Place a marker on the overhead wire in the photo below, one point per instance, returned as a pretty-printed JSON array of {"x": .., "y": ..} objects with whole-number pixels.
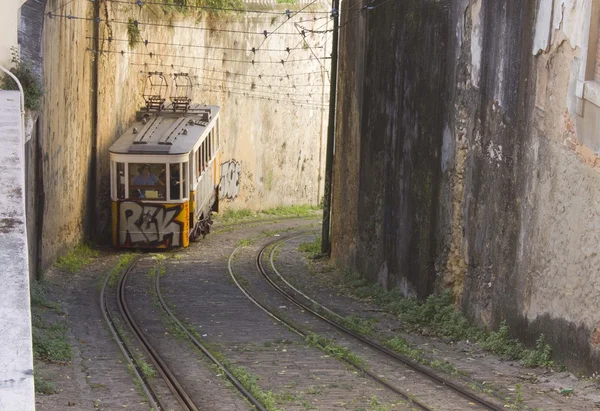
[
  {"x": 289, "y": 17},
  {"x": 287, "y": 75},
  {"x": 245, "y": 93},
  {"x": 226, "y": 71},
  {"x": 151, "y": 55},
  {"x": 147, "y": 42}
]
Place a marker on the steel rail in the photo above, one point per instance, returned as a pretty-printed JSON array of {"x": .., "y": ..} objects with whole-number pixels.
[
  {"x": 169, "y": 378},
  {"x": 406, "y": 361},
  {"x": 237, "y": 384},
  {"x": 110, "y": 322},
  {"x": 408, "y": 397}
]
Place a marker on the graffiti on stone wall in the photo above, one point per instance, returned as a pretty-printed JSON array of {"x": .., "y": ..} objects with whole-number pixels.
[
  {"x": 160, "y": 225},
  {"x": 231, "y": 174}
]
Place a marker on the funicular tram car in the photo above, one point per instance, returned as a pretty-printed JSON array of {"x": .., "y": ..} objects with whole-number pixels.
[{"x": 164, "y": 176}]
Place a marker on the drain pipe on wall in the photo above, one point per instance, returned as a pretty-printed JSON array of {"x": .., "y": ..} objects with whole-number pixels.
[{"x": 325, "y": 235}]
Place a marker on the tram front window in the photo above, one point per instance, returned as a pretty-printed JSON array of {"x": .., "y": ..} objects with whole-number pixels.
[{"x": 147, "y": 181}]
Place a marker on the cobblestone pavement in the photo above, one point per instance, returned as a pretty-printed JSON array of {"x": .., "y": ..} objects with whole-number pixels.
[
  {"x": 197, "y": 285},
  {"x": 527, "y": 388},
  {"x": 298, "y": 376}
]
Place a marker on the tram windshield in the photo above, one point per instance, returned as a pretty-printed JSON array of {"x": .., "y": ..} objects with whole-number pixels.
[{"x": 147, "y": 181}]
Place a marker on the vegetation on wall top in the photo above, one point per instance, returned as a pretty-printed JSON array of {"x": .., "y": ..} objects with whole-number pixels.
[
  {"x": 211, "y": 6},
  {"x": 32, "y": 84}
]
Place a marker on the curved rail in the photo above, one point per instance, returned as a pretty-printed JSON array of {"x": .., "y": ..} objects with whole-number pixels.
[
  {"x": 237, "y": 384},
  {"x": 169, "y": 378},
  {"x": 146, "y": 387},
  {"x": 408, "y": 397},
  {"x": 406, "y": 361}
]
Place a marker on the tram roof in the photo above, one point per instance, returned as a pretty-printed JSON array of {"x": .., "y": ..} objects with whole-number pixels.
[{"x": 166, "y": 131}]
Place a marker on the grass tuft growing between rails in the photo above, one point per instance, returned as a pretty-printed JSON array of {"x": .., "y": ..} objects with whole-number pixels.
[
  {"x": 335, "y": 350},
  {"x": 249, "y": 381},
  {"x": 80, "y": 256},
  {"x": 437, "y": 316},
  {"x": 124, "y": 261}
]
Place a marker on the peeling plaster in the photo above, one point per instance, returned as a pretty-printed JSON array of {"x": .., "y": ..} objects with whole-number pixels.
[
  {"x": 570, "y": 16},
  {"x": 476, "y": 42},
  {"x": 541, "y": 41}
]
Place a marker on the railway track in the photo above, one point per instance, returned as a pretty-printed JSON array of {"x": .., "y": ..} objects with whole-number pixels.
[
  {"x": 328, "y": 317},
  {"x": 171, "y": 381}
]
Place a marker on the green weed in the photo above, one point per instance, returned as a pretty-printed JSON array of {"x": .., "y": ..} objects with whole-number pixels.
[
  {"x": 234, "y": 216},
  {"x": 50, "y": 341},
  {"x": 360, "y": 325},
  {"x": 437, "y": 316},
  {"x": 43, "y": 386},
  {"x": 541, "y": 356},
  {"x": 401, "y": 346},
  {"x": 312, "y": 248},
  {"x": 37, "y": 292},
  {"x": 267, "y": 398},
  {"x": 80, "y": 256},
  {"x": 245, "y": 242},
  {"x": 124, "y": 261},
  {"x": 146, "y": 369},
  {"x": 133, "y": 32},
  {"x": 30, "y": 81},
  {"x": 334, "y": 350}
]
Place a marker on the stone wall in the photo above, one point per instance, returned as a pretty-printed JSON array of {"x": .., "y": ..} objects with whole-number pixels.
[
  {"x": 479, "y": 177},
  {"x": 386, "y": 174},
  {"x": 273, "y": 117},
  {"x": 66, "y": 132}
]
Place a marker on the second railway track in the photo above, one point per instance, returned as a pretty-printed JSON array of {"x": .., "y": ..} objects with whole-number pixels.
[{"x": 307, "y": 305}]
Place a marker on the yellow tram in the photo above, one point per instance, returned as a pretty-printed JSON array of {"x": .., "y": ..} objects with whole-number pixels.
[{"x": 164, "y": 176}]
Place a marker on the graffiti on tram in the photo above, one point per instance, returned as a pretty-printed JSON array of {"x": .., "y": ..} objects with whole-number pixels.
[{"x": 156, "y": 225}]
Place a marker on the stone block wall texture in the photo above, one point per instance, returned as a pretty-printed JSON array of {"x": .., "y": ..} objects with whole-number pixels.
[
  {"x": 452, "y": 169},
  {"x": 273, "y": 118}
]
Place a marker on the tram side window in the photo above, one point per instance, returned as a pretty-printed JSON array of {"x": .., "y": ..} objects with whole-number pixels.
[
  {"x": 209, "y": 142},
  {"x": 147, "y": 181},
  {"x": 205, "y": 153},
  {"x": 186, "y": 190},
  {"x": 175, "y": 181},
  {"x": 200, "y": 157},
  {"x": 120, "y": 181}
]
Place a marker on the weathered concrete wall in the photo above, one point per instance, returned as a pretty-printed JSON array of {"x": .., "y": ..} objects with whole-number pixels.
[
  {"x": 387, "y": 162},
  {"x": 272, "y": 121},
  {"x": 506, "y": 170},
  {"x": 66, "y": 131}
]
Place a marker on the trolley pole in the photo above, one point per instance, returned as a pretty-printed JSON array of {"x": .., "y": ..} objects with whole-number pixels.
[{"x": 325, "y": 235}]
